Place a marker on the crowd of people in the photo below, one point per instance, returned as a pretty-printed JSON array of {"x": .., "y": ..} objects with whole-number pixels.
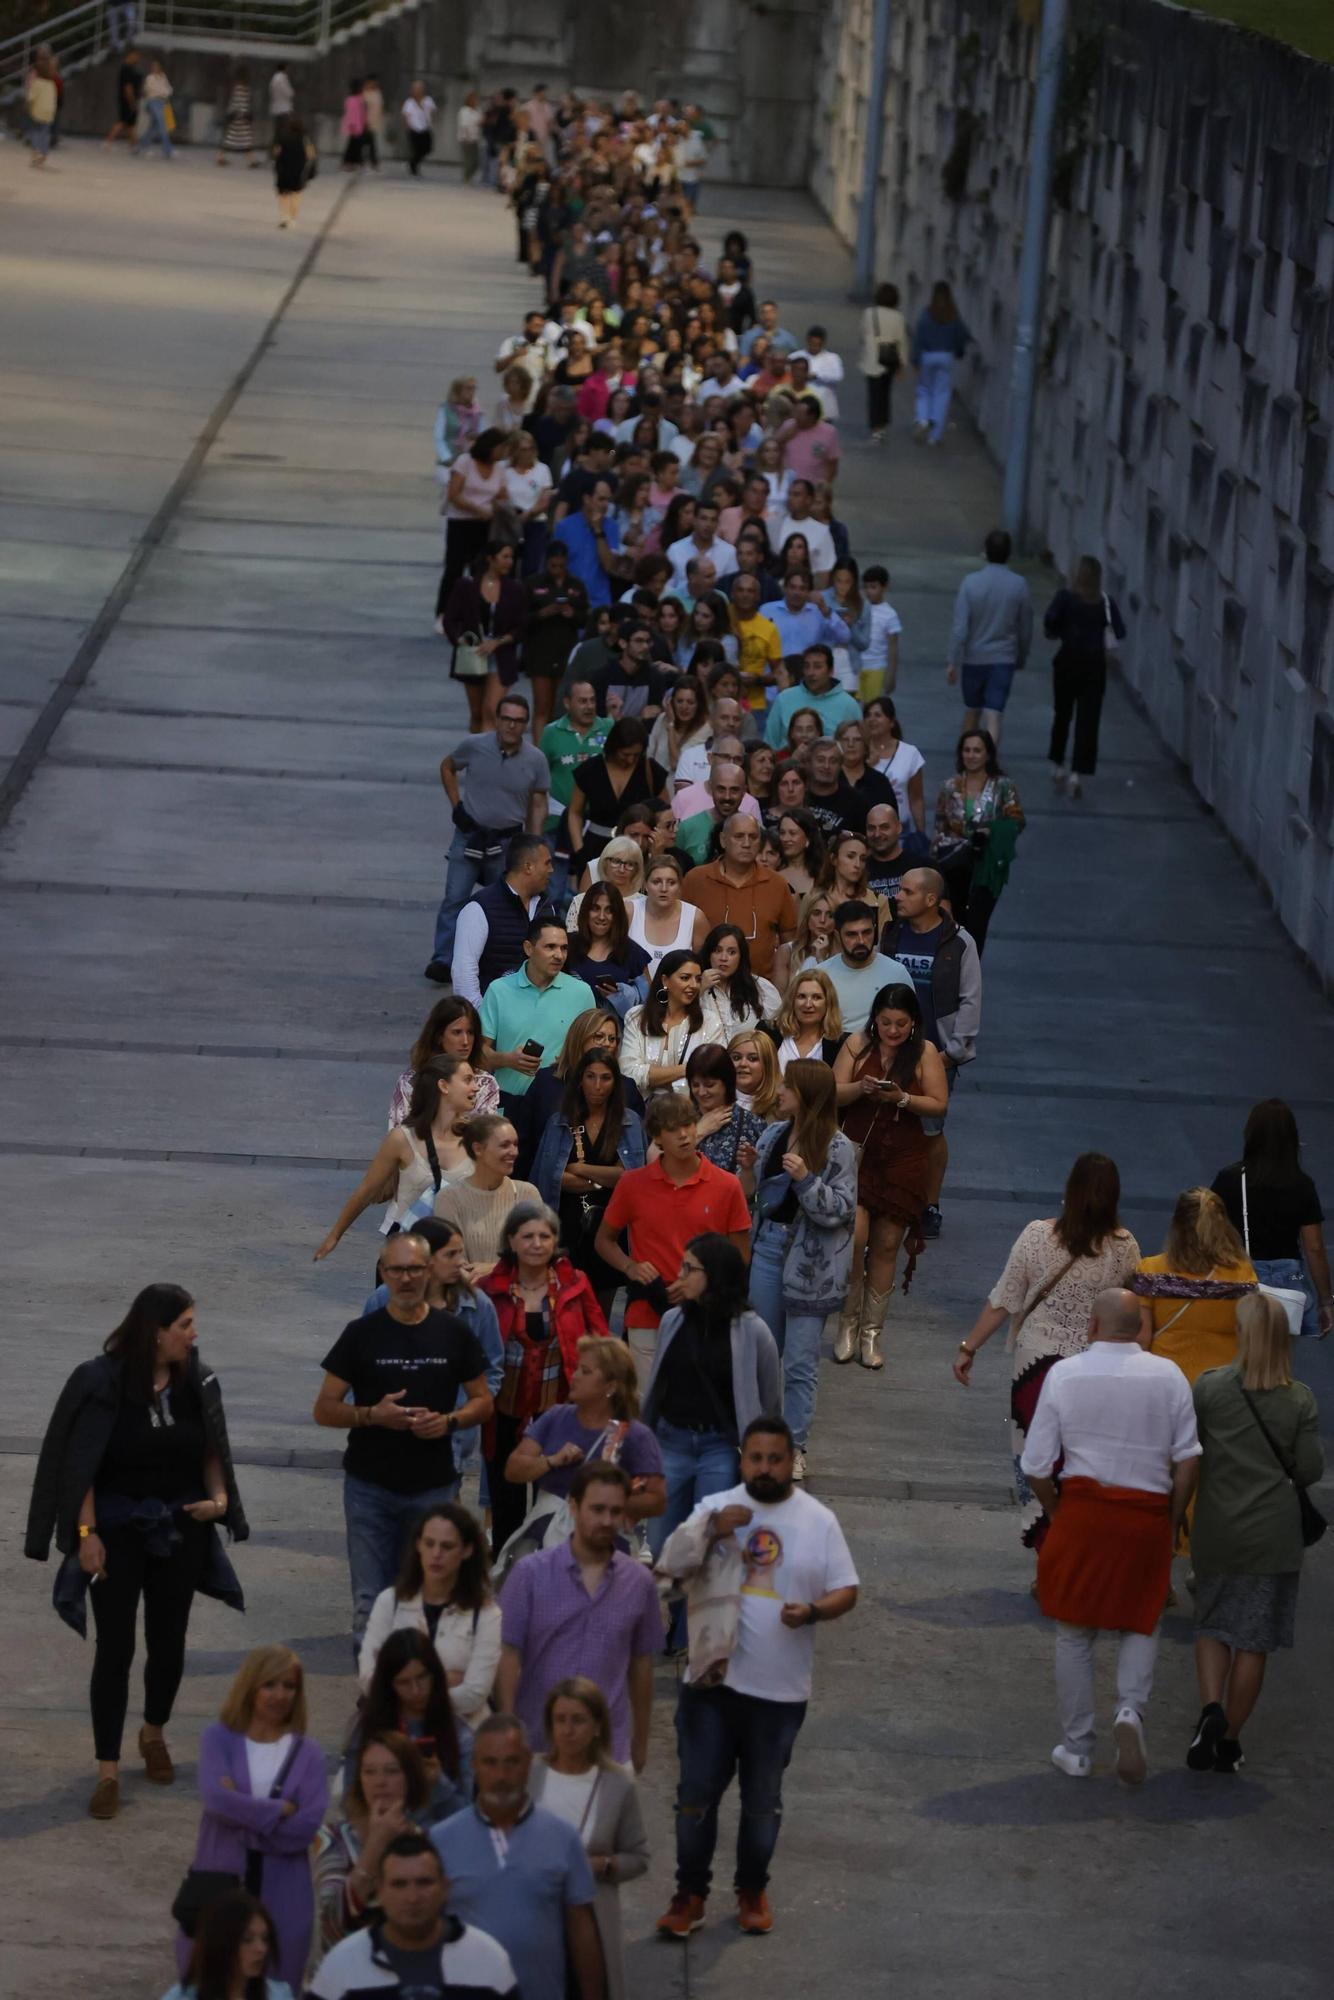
[{"x": 679, "y": 1122}]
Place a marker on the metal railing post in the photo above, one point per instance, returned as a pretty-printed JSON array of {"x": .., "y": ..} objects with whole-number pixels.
[{"x": 326, "y": 13}]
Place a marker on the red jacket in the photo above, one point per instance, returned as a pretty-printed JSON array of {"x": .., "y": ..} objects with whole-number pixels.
[{"x": 575, "y": 1314}]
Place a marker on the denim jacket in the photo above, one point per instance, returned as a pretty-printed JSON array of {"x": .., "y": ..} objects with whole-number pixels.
[
  {"x": 557, "y": 1144},
  {"x": 818, "y": 1257}
]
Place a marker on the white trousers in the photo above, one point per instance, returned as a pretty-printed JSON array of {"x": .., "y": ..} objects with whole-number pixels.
[{"x": 1135, "y": 1660}]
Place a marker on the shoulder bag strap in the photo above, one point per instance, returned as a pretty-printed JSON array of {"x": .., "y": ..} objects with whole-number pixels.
[
  {"x": 1245, "y": 1216},
  {"x": 276, "y": 1788},
  {"x": 433, "y": 1159},
  {"x": 1045, "y": 1290},
  {"x": 1268, "y": 1435}
]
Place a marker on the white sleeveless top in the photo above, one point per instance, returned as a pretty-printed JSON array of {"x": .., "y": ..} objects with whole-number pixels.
[
  {"x": 413, "y": 1180},
  {"x": 685, "y": 932}
]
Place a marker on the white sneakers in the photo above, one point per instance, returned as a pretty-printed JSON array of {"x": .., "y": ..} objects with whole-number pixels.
[
  {"x": 1132, "y": 1762},
  {"x": 799, "y": 1465}
]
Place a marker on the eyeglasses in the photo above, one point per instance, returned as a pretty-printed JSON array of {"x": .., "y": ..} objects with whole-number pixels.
[{"x": 393, "y": 1271}]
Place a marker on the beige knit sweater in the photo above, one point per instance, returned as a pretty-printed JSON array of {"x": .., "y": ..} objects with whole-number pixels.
[{"x": 481, "y": 1216}]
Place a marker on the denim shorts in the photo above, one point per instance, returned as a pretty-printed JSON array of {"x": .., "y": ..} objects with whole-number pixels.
[{"x": 986, "y": 687}]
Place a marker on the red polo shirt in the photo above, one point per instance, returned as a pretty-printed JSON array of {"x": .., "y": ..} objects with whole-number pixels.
[{"x": 662, "y": 1217}]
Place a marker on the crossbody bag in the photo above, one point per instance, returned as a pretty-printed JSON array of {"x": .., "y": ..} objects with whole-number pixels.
[
  {"x": 1313, "y": 1521},
  {"x": 203, "y": 1886}
]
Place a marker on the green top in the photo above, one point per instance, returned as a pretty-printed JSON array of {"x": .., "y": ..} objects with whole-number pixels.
[
  {"x": 1246, "y": 1520},
  {"x": 694, "y": 834},
  {"x": 564, "y": 748},
  {"x": 515, "y": 1011}
]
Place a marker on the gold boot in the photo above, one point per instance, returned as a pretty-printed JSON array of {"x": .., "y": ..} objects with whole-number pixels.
[
  {"x": 875, "y": 1307},
  {"x": 849, "y": 1320}
]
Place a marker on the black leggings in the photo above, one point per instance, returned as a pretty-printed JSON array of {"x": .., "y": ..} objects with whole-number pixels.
[
  {"x": 509, "y": 1503},
  {"x": 167, "y": 1585}
]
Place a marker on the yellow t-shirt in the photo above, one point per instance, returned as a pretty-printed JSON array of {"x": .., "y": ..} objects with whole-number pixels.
[{"x": 758, "y": 648}]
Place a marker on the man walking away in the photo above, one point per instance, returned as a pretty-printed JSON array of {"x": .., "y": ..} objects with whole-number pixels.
[
  {"x": 991, "y": 635},
  {"x": 1121, "y": 1423}
]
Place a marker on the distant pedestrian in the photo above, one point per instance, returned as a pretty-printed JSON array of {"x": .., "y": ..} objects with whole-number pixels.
[
  {"x": 940, "y": 338},
  {"x": 238, "y": 124},
  {"x": 129, "y": 90},
  {"x": 43, "y": 102},
  {"x": 373, "y": 98},
  {"x": 884, "y": 352},
  {"x": 990, "y": 637},
  {"x": 354, "y": 128},
  {"x": 1273, "y": 1205},
  {"x": 293, "y": 157},
  {"x": 1089, "y": 627},
  {"x": 282, "y": 101},
  {"x": 418, "y": 113},
  {"x": 1121, "y": 1425},
  {"x": 1260, "y": 1435},
  {"x": 468, "y": 132},
  {"x": 157, "y": 105}
]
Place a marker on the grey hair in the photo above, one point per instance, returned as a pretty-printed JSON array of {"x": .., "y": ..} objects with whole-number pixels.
[
  {"x": 522, "y": 1213},
  {"x": 502, "y": 1724}
]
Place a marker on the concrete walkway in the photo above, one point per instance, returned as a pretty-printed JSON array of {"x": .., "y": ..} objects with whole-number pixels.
[{"x": 221, "y": 850}]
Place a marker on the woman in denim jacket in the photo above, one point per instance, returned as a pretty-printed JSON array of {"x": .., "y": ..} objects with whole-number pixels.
[{"x": 584, "y": 1149}]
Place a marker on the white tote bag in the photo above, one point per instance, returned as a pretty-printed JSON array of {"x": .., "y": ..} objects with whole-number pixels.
[{"x": 1292, "y": 1301}]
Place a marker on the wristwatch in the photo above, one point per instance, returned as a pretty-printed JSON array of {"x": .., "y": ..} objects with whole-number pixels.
[{"x": 84, "y": 1532}]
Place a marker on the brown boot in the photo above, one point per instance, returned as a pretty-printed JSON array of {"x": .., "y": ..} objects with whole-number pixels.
[
  {"x": 105, "y": 1802},
  {"x": 158, "y": 1767},
  {"x": 875, "y": 1307},
  {"x": 845, "y": 1340}
]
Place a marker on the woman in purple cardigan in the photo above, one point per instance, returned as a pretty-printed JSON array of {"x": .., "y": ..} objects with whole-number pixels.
[{"x": 263, "y": 1786}]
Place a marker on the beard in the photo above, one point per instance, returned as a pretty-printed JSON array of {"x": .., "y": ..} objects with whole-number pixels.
[
  {"x": 860, "y": 954},
  {"x": 768, "y": 1490}
]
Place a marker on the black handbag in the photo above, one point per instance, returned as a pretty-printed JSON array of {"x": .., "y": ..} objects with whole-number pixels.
[
  {"x": 1313, "y": 1521},
  {"x": 887, "y": 354}
]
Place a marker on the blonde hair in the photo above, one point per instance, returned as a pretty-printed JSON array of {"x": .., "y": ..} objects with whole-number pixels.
[
  {"x": 1200, "y": 1235},
  {"x": 765, "y": 1098},
  {"x": 265, "y": 1663},
  {"x": 801, "y": 938},
  {"x": 622, "y": 848},
  {"x": 1264, "y": 1344},
  {"x": 616, "y": 1365},
  {"x": 579, "y": 1039},
  {"x": 787, "y": 1022}
]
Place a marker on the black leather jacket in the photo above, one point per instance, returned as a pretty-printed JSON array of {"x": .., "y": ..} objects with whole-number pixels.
[{"x": 76, "y": 1441}]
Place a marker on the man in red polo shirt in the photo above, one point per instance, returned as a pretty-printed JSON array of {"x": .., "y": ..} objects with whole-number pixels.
[{"x": 663, "y": 1206}]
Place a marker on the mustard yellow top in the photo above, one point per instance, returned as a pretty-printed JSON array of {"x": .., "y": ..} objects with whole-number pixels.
[{"x": 1196, "y": 1333}]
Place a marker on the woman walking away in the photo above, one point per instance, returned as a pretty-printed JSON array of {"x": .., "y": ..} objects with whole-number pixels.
[
  {"x": 264, "y": 1794},
  {"x": 889, "y": 1079},
  {"x": 238, "y": 130},
  {"x": 805, "y": 1215},
  {"x": 578, "y": 1781},
  {"x": 884, "y": 351},
  {"x": 1190, "y": 1293},
  {"x": 1054, "y": 1272},
  {"x": 1089, "y": 628},
  {"x": 940, "y": 338},
  {"x": 293, "y": 157},
  {"x": 1261, "y": 1450},
  {"x": 235, "y": 1954},
  {"x": 354, "y": 127},
  {"x": 134, "y": 1474},
  {"x": 1275, "y": 1209}
]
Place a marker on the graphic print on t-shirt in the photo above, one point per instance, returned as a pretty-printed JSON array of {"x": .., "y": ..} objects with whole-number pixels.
[{"x": 762, "y": 1553}]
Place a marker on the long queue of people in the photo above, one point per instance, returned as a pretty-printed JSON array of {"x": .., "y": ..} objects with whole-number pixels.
[{"x": 678, "y": 1122}]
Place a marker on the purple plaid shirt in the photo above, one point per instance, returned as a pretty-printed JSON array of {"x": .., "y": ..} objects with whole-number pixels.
[{"x": 558, "y": 1630}]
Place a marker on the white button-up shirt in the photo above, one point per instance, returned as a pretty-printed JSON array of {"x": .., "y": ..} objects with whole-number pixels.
[{"x": 1119, "y": 1415}]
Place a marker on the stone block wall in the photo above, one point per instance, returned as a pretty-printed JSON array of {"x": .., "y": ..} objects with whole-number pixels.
[{"x": 1186, "y": 387}]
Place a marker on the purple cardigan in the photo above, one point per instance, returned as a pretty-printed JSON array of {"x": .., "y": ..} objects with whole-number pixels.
[{"x": 233, "y": 1821}]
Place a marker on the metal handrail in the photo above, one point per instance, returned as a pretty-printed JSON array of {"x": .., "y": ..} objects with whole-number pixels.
[{"x": 84, "y": 34}]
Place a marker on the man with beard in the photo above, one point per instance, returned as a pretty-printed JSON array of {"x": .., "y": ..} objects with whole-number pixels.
[
  {"x": 520, "y": 1874},
  {"x": 858, "y": 972},
  {"x": 796, "y": 1574}
]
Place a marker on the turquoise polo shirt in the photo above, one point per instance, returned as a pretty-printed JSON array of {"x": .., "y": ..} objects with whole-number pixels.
[
  {"x": 514, "y": 1011},
  {"x": 833, "y": 707}
]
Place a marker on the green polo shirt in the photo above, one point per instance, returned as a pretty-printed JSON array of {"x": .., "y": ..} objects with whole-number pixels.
[
  {"x": 564, "y": 748},
  {"x": 514, "y": 1011}
]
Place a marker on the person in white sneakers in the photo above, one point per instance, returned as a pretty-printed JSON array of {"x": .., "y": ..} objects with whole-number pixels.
[
  {"x": 1123, "y": 1422},
  {"x": 415, "y": 1947}
]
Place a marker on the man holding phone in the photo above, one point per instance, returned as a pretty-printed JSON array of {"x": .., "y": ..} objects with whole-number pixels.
[
  {"x": 525, "y": 1014},
  {"x": 392, "y": 1381}
]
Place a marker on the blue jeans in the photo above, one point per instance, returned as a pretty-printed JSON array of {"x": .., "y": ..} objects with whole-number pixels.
[
  {"x": 720, "y": 1733},
  {"x": 935, "y": 386},
  {"x": 797, "y": 1334},
  {"x": 696, "y": 1464},
  {"x": 1291, "y": 1272},
  {"x": 463, "y": 874},
  {"x": 157, "y": 126},
  {"x": 378, "y": 1523}
]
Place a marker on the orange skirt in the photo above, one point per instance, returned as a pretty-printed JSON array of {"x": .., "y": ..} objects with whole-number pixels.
[{"x": 1107, "y": 1558}]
